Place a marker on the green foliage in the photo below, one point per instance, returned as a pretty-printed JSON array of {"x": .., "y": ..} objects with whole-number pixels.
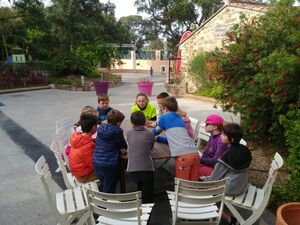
[
  {"x": 259, "y": 70},
  {"x": 289, "y": 192},
  {"x": 199, "y": 70},
  {"x": 74, "y": 64},
  {"x": 171, "y": 18}
]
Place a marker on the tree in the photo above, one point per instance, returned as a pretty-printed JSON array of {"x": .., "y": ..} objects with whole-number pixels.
[
  {"x": 172, "y": 18},
  {"x": 259, "y": 70},
  {"x": 135, "y": 25}
]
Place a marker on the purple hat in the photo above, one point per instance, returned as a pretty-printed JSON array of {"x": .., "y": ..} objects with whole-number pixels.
[{"x": 214, "y": 120}]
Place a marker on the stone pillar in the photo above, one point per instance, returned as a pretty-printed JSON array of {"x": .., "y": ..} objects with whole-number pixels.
[
  {"x": 133, "y": 59},
  {"x": 157, "y": 55}
]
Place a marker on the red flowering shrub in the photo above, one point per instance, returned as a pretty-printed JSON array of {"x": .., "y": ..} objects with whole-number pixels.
[
  {"x": 20, "y": 75},
  {"x": 260, "y": 70}
]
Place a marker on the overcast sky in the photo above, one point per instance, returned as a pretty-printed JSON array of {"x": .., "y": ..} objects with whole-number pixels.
[{"x": 123, "y": 7}]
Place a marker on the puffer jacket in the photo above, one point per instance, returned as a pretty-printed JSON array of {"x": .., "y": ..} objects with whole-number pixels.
[
  {"x": 109, "y": 141},
  {"x": 81, "y": 154}
]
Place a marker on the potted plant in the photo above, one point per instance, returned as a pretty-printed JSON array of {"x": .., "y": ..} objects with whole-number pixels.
[
  {"x": 288, "y": 214},
  {"x": 101, "y": 86},
  {"x": 145, "y": 86},
  {"x": 174, "y": 86}
]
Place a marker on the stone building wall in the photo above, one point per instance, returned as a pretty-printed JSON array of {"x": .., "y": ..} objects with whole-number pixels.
[{"x": 212, "y": 34}]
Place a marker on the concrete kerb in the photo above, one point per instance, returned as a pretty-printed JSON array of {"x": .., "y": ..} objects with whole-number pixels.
[{"x": 13, "y": 90}]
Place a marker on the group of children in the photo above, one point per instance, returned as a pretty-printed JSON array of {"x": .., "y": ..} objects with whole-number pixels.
[{"x": 92, "y": 159}]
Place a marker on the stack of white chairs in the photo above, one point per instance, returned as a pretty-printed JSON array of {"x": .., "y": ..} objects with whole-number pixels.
[
  {"x": 69, "y": 206},
  {"x": 197, "y": 202}
]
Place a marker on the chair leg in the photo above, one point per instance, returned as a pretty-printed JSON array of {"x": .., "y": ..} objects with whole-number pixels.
[{"x": 235, "y": 213}]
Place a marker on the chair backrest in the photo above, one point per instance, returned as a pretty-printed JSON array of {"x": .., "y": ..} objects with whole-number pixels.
[
  {"x": 42, "y": 169},
  {"x": 276, "y": 164},
  {"x": 65, "y": 122},
  {"x": 63, "y": 137},
  {"x": 55, "y": 148},
  {"x": 199, "y": 194},
  {"x": 116, "y": 206},
  {"x": 195, "y": 125}
]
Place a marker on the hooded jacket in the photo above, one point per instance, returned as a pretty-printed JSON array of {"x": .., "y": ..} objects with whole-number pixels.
[
  {"x": 103, "y": 113},
  {"x": 81, "y": 154},
  {"x": 234, "y": 164},
  {"x": 109, "y": 141}
]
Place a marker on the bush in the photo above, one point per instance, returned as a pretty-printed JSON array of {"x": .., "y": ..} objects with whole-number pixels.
[
  {"x": 259, "y": 70},
  {"x": 200, "y": 68},
  {"x": 290, "y": 191},
  {"x": 71, "y": 63},
  {"x": 20, "y": 75}
]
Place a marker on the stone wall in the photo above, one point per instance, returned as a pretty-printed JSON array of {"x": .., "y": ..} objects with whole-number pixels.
[{"x": 210, "y": 36}]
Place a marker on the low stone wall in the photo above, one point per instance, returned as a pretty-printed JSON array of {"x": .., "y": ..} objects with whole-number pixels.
[{"x": 88, "y": 87}]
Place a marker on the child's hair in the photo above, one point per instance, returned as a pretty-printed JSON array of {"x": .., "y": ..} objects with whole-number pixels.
[
  {"x": 138, "y": 118},
  {"x": 162, "y": 95},
  {"x": 114, "y": 117},
  {"x": 234, "y": 133},
  {"x": 103, "y": 97},
  {"x": 170, "y": 103},
  {"x": 87, "y": 122},
  {"x": 143, "y": 95},
  {"x": 87, "y": 110}
]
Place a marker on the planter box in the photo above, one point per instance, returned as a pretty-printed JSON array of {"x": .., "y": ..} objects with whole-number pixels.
[
  {"x": 173, "y": 89},
  {"x": 145, "y": 88},
  {"x": 101, "y": 87}
]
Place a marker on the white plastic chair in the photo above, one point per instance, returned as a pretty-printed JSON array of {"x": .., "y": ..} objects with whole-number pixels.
[
  {"x": 63, "y": 135},
  {"x": 196, "y": 202},
  {"x": 66, "y": 122},
  {"x": 203, "y": 135},
  {"x": 69, "y": 180},
  {"x": 67, "y": 205},
  {"x": 118, "y": 209},
  {"x": 195, "y": 124},
  {"x": 254, "y": 199}
]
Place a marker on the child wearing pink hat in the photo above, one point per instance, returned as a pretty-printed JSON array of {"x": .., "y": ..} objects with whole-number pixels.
[{"x": 215, "y": 148}]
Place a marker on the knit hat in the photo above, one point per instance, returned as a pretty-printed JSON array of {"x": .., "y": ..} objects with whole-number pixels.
[{"x": 214, "y": 120}]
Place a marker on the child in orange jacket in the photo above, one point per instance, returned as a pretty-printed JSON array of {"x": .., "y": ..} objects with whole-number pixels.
[{"x": 82, "y": 149}]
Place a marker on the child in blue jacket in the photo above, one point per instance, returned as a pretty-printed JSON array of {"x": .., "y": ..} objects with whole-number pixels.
[
  {"x": 181, "y": 144},
  {"x": 109, "y": 143}
]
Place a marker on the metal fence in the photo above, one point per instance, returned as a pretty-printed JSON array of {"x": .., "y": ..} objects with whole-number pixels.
[
  {"x": 41, "y": 67},
  {"x": 145, "y": 55}
]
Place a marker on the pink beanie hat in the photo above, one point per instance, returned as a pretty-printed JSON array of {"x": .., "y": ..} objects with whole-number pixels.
[{"x": 214, "y": 120}]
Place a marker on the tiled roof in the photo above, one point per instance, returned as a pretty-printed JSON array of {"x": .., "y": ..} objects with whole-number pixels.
[
  {"x": 244, "y": 4},
  {"x": 249, "y": 5}
]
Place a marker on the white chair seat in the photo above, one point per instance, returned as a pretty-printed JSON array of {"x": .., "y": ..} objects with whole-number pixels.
[{"x": 70, "y": 201}]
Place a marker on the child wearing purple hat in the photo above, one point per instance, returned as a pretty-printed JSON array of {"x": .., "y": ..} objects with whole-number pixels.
[{"x": 215, "y": 148}]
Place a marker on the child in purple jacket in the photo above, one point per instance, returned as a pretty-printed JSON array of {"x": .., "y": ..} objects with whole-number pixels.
[{"x": 215, "y": 148}]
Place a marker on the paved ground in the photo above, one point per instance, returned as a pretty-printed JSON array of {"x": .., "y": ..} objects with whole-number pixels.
[{"x": 27, "y": 127}]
